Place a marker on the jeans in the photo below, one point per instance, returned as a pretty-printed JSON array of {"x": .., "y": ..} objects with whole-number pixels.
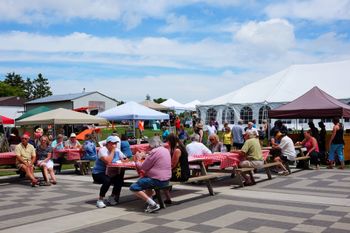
[
  {"x": 336, "y": 148},
  {"x": 106, "y": 182},
  {"x": 145, "y": 183}
]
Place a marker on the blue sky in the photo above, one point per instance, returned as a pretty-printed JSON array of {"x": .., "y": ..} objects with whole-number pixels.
[{"x": 181, "y": 49}]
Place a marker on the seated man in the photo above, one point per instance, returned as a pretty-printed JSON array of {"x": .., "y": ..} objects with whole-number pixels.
[
  {"x": 72, "y": 142},
  {"x": 196, "y": 147},
  {"x": 25, "y": 158},
  {"x": 286, "y": 146},
  {"x": 157, "y": 173},
  {"x": 252, "y": 154}
]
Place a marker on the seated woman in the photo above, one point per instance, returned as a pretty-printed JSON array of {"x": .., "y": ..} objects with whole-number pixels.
[
  {"x": 106, "y": 155},
  {"x": 44, "y": 154},
  {"x": 287, "y": 150},
  {"x": 311, "y": 148},
  {"x": 157, "y": 173},
  {"x": 180, "y": 170},
  {"x": 89, "y": 149},
  {"x": 215, "y": 145},
  {"x": 125, "y": 146},
  {"x": 58, "y": 144}
]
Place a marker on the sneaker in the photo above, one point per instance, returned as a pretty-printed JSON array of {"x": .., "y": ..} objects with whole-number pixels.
[
  {"x": 152, "y": 208},
  {"x": 100, "y": 204},
  {"x": 111, "y": 201}
]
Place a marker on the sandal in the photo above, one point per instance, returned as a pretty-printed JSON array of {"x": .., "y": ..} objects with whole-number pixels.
[{"x": 54, "y": 182}]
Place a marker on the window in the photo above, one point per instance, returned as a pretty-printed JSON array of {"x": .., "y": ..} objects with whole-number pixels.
[
  {"x": 246, "y": 114},
  {"x": 263, "y": 113},
  {"x": 229, "y": 116},
  {"x": 211, "y": 114}
]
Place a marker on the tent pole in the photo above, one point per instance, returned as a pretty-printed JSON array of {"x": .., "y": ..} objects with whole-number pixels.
[{"x": 134, "y": 126}]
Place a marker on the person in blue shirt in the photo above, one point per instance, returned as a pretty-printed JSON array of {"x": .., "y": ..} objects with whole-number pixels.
[
  {"x": 107, "y": 155},
  {"x": 89, "y": 149},
  {"x": 165, "y": 133},
  {"x": 125, "y": 146}
]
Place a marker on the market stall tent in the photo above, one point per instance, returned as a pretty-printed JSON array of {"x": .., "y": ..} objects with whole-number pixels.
[
  {"x": 132, "y": 111},
  {"x": 61, "y": 116},
  {"x": 32, "y": 112},
  {"x": 313, "y": 104},
  {"x": 154, "y": 105}
]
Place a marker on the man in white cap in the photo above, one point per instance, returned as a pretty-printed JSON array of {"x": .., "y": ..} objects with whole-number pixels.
[
  {"x": 106, "y": 155},
  {"x": 72, "y": 142}
]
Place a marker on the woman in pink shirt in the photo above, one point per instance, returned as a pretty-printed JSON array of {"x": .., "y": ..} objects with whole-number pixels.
[{"x": 312, "y": 148}]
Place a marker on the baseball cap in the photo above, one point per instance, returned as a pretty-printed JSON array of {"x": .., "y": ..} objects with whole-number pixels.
[
  {"x": 111, "y": 139},
  {"x": 73, "y": 135}
]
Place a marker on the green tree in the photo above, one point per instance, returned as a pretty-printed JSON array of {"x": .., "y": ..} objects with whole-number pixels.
[
  {"x": 28, "y": 89},
  {"x": 41, "y": 87},
  {"x": 159, "y": 100},
  {"x": 14, "y": 80},
  {"x": 8, "y": 90}
]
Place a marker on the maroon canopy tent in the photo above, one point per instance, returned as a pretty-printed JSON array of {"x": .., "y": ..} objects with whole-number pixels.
[{"x": 313, "y": 104}]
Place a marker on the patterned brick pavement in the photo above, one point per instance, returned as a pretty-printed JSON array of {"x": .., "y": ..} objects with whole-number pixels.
[{"x": 307, "y": 201}]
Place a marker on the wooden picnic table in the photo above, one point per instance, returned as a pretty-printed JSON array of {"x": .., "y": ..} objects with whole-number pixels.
[{"x": 8, "y": 158}]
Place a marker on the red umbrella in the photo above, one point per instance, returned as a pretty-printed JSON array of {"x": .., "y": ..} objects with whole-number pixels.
[{"x": 6, "y": 121}]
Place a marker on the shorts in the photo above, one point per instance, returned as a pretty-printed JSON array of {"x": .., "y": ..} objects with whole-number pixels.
[
  {"x": 252, "y": 163},
  {"x": 49, "y": 164},
  {"x": 145, "y": 183}
]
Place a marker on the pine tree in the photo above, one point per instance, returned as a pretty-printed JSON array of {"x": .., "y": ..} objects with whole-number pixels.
[{"x": 41, "y": 87}]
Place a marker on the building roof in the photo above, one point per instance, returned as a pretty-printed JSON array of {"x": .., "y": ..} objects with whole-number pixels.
[
  {"x": 59, "y": 98},
  {"x": 11, "y": 101},
  {"x": 291, "y": 83}
]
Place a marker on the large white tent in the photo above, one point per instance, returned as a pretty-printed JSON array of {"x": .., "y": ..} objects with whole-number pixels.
[
  {"x": 192, "y": 105},
  {"x": 279, "y": 88}
]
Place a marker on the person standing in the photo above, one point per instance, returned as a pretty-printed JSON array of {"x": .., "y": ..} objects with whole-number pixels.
[
  {"x": 322, "y": 142},
  {"x": 238, "y": 132},
  {"x": 336, "y": 144},
  {"x": 227, "y": 138}
]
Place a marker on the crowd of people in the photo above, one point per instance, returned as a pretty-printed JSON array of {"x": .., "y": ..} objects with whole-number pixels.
[{"x": 162, "y": 165}]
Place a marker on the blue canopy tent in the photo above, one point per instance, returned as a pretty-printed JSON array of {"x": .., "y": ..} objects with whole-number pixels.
[{"x": 132, "y": 111}]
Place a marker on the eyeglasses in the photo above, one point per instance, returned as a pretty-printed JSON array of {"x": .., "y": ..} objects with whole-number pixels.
[{"x": 24, "y": 138}]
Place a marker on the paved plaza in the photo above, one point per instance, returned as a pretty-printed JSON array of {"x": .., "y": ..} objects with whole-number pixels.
[{"x": 306, "y": 201}]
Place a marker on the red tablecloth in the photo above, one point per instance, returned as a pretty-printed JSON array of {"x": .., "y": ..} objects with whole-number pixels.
[
  {"x": 7, "y": 158},
  {"x": 143, "y": 147},
  {"x": 226, "y": 159},
  {"x": 71, "y": 154},
  {"x": 129, "y": 164}
]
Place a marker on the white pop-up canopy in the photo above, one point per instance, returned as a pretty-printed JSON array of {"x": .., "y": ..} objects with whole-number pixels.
[
  {"x": 132, "y": 111},
  {"x": 174, "y": 105}
]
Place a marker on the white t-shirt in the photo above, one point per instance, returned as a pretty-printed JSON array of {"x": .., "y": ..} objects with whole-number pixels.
[
  {"x": 287, "y": 147},
  {"x": 197, "y": 148},
  {"x": 252, "y": 130},
  {"x": 211, "y": 130}
]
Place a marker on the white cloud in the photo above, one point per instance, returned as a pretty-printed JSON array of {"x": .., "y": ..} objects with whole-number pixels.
[
  {"x": 274, "y": 34},
  {"x": 183, "y": 88},
  {"x": 318, "y": 10},
  {"x": 131, "y": 13},
  {"x": 176, "y": 24}
]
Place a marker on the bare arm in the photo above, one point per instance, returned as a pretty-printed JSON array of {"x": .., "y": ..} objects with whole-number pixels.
[
  {"x": 335, "y": 128},
  {"x": 175, "y": 158},
  {"x": 314, "y": 145}
]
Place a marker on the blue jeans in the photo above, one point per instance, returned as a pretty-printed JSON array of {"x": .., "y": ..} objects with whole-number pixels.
[
  {"x": 338, "y": 148},
  {"x": 145, "y": 183}
]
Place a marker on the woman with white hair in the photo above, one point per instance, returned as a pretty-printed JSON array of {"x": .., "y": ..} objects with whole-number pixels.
[{"x": 157, "y": 173}]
